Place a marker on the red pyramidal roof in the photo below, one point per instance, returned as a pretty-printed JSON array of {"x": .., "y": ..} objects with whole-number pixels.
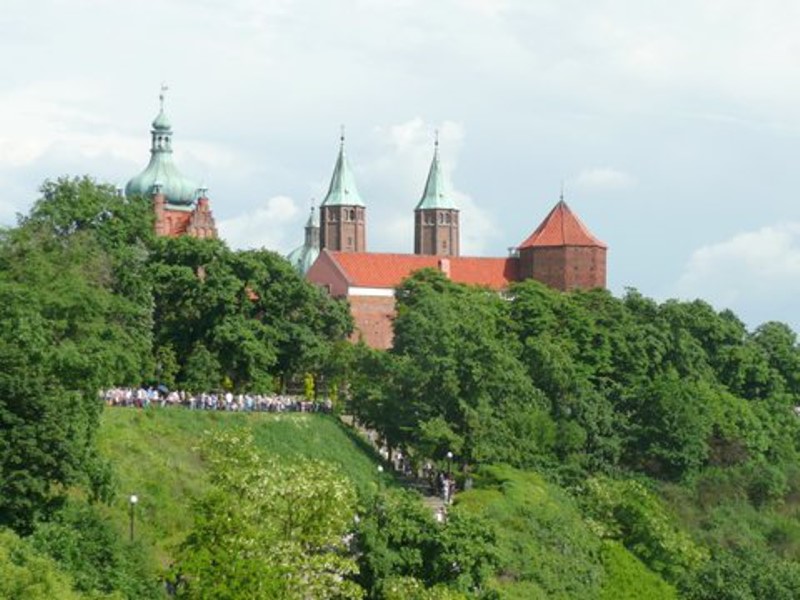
[
  {"x": 561, "y": 228},
  {"x": 370, "y": 269}
]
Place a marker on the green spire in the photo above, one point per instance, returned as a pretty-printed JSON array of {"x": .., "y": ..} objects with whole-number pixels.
[
  {"x": 304, "y": 256},
  {"x": 435, "y": 194},
  {"x": 342, "y": 191}
]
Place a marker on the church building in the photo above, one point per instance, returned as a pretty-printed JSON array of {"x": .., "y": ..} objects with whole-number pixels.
[
  {"x": 561, "y": 252},
  {"x": 181, "y": 207}
]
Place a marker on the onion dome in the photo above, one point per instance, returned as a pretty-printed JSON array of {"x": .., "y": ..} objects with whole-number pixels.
[
  {"x": 161, "y": 174},
  {"x": 304, "y": 256}
]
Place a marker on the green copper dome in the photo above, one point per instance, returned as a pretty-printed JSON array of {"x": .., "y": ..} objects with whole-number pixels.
[
  {"x": 161, "y": 174},
  {"x": 435, "y": 194},
  {"x": 304, "y": 256},
  {"x": 342, "y": 190},
  {"x": 161, "y": 122}
]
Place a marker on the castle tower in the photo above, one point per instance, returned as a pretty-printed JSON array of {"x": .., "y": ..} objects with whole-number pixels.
[
  {"x": 436, "y": 216},
  {"x": 304, "y": 256},
  {"x": 563, "y": 253},
  {"x": 181, "y": 207},
  {"x": 342, "y": 212}
]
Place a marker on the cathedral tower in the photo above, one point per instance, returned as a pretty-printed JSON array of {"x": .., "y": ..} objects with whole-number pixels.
[
  {"x": 343, "y": 213},
  {"x": 436, "y": 216},
  {"x": 563, "y": 253},
  {"x": 181, "y": 206}
]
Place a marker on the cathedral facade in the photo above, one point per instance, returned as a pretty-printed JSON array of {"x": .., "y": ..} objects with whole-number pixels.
[{"x": 561, "y": 252}]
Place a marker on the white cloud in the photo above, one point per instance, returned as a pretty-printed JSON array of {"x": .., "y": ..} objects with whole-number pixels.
[
  {"x": 402, "y": 168},
  {"x": 603, "y": 179},
  {"x": 755, "y": 273},
  {"x": 266, "y": 226}
]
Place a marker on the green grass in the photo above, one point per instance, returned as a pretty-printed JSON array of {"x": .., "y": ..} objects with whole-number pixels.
[
  {"x": 154, "y": 454},
  {"x": 547, "y": 549}
]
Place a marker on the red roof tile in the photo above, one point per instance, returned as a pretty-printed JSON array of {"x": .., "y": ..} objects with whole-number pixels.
[
  {"x": 561, "y": 228},
  {"x": 369, "y": 269}
]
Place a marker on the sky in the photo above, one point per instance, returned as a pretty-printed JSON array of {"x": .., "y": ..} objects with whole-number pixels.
[{"x": 674, "y": 127}]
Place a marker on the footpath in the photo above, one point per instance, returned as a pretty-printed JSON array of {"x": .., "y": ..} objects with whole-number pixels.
[{"x": 430, "y": 498}]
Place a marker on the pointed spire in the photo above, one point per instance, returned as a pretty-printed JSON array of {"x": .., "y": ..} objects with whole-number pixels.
[
  {"x": 313, "y": 217},
  {"x": 342, "y": 190},
  {"x": 435, "y": 194}
]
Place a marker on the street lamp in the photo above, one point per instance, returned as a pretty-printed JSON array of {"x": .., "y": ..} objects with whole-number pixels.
[
  {"x": 449, "y": 463},
  {"x": 133, "y": 500}
]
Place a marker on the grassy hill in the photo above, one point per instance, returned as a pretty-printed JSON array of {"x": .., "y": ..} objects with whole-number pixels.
[
  {"x": 154, "y": 454},
  {"x": 546, "y": 547}
]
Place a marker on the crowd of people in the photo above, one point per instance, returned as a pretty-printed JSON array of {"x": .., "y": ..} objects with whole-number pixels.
[{"x": 227, "y": 401}]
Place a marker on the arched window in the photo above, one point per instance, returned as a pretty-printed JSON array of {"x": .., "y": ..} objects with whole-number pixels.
[{"x": 352, "y": 214}]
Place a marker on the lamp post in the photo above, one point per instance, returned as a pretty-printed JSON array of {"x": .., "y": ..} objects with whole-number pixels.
[
  {"x": 133, "y": 500},
  {"x": 449, "y": 464}
]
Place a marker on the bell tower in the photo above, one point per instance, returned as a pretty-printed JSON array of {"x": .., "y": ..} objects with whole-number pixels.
[
  {"x": 343, "y": 213},
  {"x": 436, "y": 226}
]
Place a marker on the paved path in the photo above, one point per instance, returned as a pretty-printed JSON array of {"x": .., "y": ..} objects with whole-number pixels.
[{"x": 433, "y": 501}]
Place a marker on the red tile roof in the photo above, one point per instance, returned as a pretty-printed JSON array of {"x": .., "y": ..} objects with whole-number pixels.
[
  {"x": 561, "y": 228},
  {"x": 369, "y": 269}
]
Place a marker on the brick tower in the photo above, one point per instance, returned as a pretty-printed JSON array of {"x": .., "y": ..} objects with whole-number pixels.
[
  {"x": 343, "y": 213},
  {"x": 181, "y": 207},
  {"x": 563, "y": 253},
  {"x": 436, "y": 216}
]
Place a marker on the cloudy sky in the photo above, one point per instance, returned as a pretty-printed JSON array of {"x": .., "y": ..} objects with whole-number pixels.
[{"x": 674, "y": 126}]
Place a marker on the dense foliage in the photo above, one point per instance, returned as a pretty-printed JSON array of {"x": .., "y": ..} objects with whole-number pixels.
[
  {"x": 90, "y": 299},
  {"x": 615, "y": 447},
  {"x": 620, "y": 401},
  {"x": 267, "y": 529}
]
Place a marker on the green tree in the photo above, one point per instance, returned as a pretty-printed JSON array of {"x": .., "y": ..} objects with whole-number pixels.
[
  {"x": 462, "y": 381},
  {"x": 64, "y": 334},
  {"x": 268, "y": 529},
  {"x": 89, "y": 548},
  {"x": 261, "y": 322},
  {"x": 24, "y": 573}
]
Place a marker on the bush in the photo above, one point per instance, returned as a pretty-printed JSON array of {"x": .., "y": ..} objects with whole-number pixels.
[
  {"x": 24, "y": 573},
  {"x": 88, "y": 548}
]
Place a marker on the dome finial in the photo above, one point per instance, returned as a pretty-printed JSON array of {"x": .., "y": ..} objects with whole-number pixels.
[
  {"x": 341, "y": 135},
  {"x": 164, "y": 88},
  {"x": 561, "y": 197}
]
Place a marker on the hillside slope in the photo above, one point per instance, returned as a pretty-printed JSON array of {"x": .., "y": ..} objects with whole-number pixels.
[{"x": 154, "y": 455}]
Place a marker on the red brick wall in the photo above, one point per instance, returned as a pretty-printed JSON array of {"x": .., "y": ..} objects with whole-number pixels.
[
  {"x": 436, "y": 232},
  {"x": 373, "y": 318},
  {"x": 174, "y": 223},
  {"x": 586, "y": 268},
  {"x": 565, "y": 267},
  {"x": 343, "y": 228},
  {"x": 324, "y": 273}
]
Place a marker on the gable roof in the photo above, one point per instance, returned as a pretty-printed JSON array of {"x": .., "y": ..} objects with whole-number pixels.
[
  {"x": 378, "y": 270},
  {"x": 561, "y": 228}
]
